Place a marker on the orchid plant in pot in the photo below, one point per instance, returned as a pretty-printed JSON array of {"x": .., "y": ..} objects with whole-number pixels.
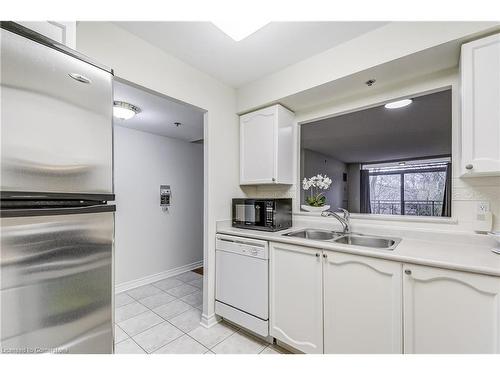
[{"x": 316, "y": 201}]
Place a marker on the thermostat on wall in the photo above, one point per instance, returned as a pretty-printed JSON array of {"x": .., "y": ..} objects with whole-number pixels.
[{"x": 165, "y": 195}]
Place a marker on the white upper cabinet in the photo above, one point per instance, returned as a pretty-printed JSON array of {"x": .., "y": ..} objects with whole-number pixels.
[
  {"x": 480, "y": 70},
  {"x": 61, "y": 32},
  {"x": 266, "y": 146},
  {"x": 450, "y": 311},
  {"x": 296, "y": 304},
  {"x": 362, "y": 305}
]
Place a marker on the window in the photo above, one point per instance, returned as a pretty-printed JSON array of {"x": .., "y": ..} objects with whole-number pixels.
[
  {"x": 409, "y": 188},
  {"x": 390, "y": 161}
]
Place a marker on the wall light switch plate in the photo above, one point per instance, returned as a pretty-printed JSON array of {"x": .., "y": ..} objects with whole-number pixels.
[
  {"x": 483, "y": 207},
  {"x": 484, "y": 217}
]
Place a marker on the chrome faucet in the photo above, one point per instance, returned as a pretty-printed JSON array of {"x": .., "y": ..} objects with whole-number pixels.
[{"x": 344, "y": 220}]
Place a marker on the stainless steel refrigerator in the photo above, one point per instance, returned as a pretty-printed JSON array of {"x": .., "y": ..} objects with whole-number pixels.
[{"x": 57, "y": 228}]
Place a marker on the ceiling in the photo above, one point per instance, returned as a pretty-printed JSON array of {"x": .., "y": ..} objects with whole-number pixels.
[
  {"x": 159, "y": 113},
  {"x": 273, "y": 47},
  {"x": 378, "y": 134},
  {"x": 408, "y": 68}
]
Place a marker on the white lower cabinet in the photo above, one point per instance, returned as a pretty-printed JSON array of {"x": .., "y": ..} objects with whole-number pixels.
[
  {"x": 296, "y": 297},
  {"x": 362, "y": 304},
  {"x": 332, "y": 302},
  {"x": 450, "y": 311}
]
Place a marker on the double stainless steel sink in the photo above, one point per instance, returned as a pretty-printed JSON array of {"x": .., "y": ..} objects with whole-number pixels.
[{"x": 354, "y": 239}]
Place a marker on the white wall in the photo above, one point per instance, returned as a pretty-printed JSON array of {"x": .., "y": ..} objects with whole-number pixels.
[
  {"x": 387, "y": 43},
  {"x": 140, "y": 62},
  {"x": 149, "y": 240}
]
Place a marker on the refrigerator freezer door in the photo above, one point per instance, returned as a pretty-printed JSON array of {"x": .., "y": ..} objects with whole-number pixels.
[
  {"x": 56, "y": 283},
  {"x": 56, "y": 120}
]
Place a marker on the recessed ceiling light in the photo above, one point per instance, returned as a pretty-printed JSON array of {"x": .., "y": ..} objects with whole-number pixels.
[
  {"x": 398, "y": 104},
  {"x": 239, "y": 29},
  {"x": 124, "y": 110}
]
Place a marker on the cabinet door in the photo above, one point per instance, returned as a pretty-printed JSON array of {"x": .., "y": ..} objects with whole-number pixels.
[
  {"x": 480, "y": 68},
  {"x": 450, "y": 311},
  {"x": 362, "y": 304},
  {"x": 296, "y": 297},
  {"x": 258, "y": 147}
]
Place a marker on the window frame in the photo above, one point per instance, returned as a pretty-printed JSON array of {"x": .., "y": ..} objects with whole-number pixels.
[
  {"x": 448, "y": 80},
  {"x": 402, "y": 185}
]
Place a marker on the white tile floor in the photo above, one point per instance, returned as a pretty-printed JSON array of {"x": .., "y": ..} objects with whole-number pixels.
[{"x": 164, "y": 318}]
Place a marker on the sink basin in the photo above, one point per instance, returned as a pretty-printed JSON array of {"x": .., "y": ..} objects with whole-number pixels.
[
  {"x": 314, "y": 234},
  {"x": 354, "y": 239},
  {"x": 368, "y": 241}
]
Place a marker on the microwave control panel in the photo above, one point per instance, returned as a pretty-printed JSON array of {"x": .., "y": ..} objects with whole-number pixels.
[{"x": 269, "y": 213}]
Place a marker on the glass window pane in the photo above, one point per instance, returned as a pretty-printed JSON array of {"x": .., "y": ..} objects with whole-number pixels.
[
  {"x": 385, "y": 194},
  {"x": 423, "y": 193}
]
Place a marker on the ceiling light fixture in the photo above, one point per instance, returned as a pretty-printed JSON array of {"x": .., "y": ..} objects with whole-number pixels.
[
  {"x": 239, "y": 29},
  {"x": 398, "y": 104},
  {"x": 124, "y": 110}
]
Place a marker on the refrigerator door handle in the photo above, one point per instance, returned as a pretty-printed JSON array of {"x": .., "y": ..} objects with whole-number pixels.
[{"x": 58, "y": 211}]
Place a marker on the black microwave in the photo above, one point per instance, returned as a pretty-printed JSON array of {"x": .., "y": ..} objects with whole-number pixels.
[{"x": 262, "y": 214}]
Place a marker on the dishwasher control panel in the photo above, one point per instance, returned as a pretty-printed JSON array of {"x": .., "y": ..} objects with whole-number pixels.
[{"x": 243, "y": 246}]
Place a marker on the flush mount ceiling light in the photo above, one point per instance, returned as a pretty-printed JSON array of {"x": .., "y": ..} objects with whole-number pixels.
[
  {"x": 124, "y": 110},
  {"x": 398, "y": 104},
  {"x": 239, "y": 29}
]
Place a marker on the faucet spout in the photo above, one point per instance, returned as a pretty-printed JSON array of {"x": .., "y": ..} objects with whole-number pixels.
[{"x": 344, "y": 220}]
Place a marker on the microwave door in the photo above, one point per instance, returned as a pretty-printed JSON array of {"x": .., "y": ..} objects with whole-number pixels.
[
  {"x": 249, "y": 213},
  {"x": 249, "y": 217}
]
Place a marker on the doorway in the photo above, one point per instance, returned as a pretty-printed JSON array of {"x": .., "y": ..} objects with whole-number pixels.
[{"x": 159, "y": 172}]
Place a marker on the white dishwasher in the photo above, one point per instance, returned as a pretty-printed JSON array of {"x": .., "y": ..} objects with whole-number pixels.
[{"x": 242, "y": 282}]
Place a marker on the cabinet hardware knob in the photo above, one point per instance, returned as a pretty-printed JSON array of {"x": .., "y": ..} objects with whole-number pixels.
[
  {"x": 408, "y": 272},
  {"x": 469, "y": 166},
  {"x": 325, "y": 256},
  {"x": 273, "y": 179},
  {"x": 317, "y": 255}
]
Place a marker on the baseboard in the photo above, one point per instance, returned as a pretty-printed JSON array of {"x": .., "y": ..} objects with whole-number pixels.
[
  {"x": 122, "y": 287},
  {"x": 209, "y": 321}
]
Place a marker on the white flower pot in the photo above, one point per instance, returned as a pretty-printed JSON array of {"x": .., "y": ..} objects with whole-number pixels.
[{"x": 306, "y": 207}]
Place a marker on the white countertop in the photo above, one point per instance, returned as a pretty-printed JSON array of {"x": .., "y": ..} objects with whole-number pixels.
[{"x": 457, "y": 251}]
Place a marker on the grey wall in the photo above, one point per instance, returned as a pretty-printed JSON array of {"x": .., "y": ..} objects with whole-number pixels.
[
  {"x": 148, "y": 240},
  {"x": 313, "y": 163},
  {"x": 353, "y": 186}
]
